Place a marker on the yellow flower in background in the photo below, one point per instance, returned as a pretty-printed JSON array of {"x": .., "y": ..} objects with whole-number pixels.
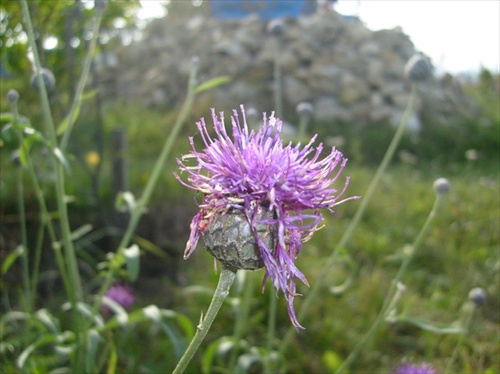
[{"x": 92, "y": 158}]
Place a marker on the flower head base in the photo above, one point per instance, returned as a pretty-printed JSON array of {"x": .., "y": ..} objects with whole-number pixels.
[{"x": 272, "y": 193}]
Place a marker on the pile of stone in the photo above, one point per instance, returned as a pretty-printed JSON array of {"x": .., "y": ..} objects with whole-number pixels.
[{"x": 349, "y": 73}]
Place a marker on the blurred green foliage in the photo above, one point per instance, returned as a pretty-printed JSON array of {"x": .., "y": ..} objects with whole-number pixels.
[{"x": 460, "y": 253}]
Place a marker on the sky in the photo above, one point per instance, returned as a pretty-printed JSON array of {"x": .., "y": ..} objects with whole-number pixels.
[{"x": 460, "y": 36}]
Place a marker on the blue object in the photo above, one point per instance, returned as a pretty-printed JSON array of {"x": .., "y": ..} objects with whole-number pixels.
[{"x": 265, "y": 9}]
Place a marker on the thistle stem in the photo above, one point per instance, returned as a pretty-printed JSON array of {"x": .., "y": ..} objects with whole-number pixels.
[
  {"x": 226, "y": 279},
  {"x": 467, "y": 323}
]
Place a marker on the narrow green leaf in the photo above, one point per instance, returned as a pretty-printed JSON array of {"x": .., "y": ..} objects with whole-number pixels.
[
  {"x": 93, "y": 343},
  {"x": 81, "y": 231},
  {"x": 60, "y": 156},
  {"x": 351, "y": 265},
  {"x": 437, "y": 328},
  {"x": 11, "y": 117},
  {"x": 113, "y": 360},
  {"x": 217, "y": 81},
  {"x": 70, "y": 118},
  {"x": 44, "y": 316},
  {"x": 8, "y": 133},
  {"x": 89, "y": 94},
  {"x": 11, "y": 258},
  {"x": 125, "y": 202},
  {"x": 45, "y": 339},
  {"x": 120, "y": 313},
  {"x": 7, "y": 117},
  {"x": 150, "y": 247}
]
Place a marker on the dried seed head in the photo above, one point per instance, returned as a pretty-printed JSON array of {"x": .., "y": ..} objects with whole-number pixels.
[
  {"x": 229, "y": 238},
  {"x": 418, "y": 68}
]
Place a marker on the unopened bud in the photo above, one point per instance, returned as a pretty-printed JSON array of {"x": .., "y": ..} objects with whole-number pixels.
[
  {"x": 12, "y": 97},
  {"x": 477, "y": 296},
  {"x": 418, "y": 68},
  {"x": 441, "y": 186},
  {"x": 15, "y": 157},
  {"x": 305, "y": 110},
  {"x": 195, "y": 62},
  {"x": 276, "y": 27},
  {"x": 48, "y": 80},
  {"x": 229, "y": 238}
]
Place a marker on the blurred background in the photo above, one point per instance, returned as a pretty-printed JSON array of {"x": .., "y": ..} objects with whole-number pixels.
[{"x": 346, "y": 59}]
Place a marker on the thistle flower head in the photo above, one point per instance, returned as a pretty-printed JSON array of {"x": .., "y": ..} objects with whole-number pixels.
[
  {"x": 122, "y": 295},
  {"x": 276, "y": 190},
  {"x": 415, "y": 369}
]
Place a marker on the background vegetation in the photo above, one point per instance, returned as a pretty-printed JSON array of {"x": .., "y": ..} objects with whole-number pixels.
[{"x": 460, "y": 253}]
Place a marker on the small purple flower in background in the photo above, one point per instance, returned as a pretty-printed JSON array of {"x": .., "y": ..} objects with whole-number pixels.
[
  {"x": 415, "y": 369},
  {"x": 276, "y": 189},
  {"x": 121, "y": 294}
]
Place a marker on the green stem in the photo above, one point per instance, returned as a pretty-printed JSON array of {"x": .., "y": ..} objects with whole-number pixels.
[
  {"x": 394, "y": 293},
  {"x": 76, "y": 293},
  {"x": 454, "y": 355},
  {"x": 72, "y": 114},
  {"x": 75, "y": 289},
  {"x": 24, "y": 241},
  {"x": 302, "y": 127},
  {"x": 313, "y": 293},
  {"x": 226, "y": 279},
  {"x": 22, "y": 221}
]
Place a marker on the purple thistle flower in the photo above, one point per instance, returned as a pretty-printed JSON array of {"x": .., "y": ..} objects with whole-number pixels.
[
  {"x": 121, "y": 294},
  {"x": 252, "y": 172},
  {"x": 415, "y": 369}
]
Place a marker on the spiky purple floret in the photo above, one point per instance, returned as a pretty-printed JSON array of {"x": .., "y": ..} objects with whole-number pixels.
[{"x": 254, "y": 169}]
